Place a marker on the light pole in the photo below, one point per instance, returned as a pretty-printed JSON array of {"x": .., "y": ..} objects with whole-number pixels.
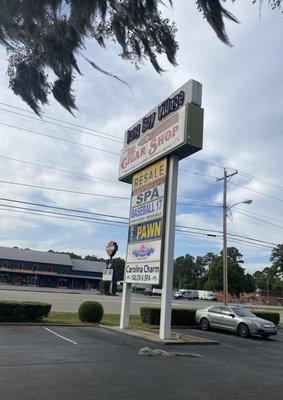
[{"x": 225, "y": 212}]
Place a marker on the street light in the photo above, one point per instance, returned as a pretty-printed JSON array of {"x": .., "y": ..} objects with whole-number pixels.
[{"x": 225, "y": 212}]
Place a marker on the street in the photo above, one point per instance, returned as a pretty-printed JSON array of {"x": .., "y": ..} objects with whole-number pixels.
[
  {"x": 49, "y": 363},
  {"x": 69, "y": 301}
]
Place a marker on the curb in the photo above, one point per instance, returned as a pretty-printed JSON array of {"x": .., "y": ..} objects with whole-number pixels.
[
  {"x": 46, "y": 324},
  {"x": 151, "y": 337}
]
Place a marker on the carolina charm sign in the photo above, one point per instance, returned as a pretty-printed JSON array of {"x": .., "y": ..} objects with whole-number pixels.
[{"x": 144, "y": 250}]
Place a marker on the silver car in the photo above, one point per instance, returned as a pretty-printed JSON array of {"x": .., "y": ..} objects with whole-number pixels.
[{"x": 235, "y": 319}]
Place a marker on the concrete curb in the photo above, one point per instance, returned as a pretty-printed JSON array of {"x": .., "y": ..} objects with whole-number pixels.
[
  {"x": 46, "y": 324},
  {"x": 152, "y": 337}
]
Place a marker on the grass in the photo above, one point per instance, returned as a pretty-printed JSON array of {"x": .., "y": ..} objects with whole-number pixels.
[{"x": 67, "y": 318}]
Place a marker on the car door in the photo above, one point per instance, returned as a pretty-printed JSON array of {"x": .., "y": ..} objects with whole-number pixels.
[
  {"x": 215, "y": 317},
  {"x": 228, "y": 321}
]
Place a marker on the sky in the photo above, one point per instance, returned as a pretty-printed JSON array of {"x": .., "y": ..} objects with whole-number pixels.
[{"x": 242, "y": 101}]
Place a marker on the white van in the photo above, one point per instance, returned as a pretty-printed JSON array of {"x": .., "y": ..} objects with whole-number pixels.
[
  {"x": 207, "y": 295},
  {"x": 186, "y": 294}
]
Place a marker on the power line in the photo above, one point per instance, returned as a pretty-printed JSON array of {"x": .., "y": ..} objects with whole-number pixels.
[
  {"x": 64, "y": 126},
  {"x": 61, "y": 170},
  {"x": 87, "y": 193},
  {"x": 60, "y": 120},
  {"x": 261, "y": 180},
  {"x": 265, "y": 181},
  {"x": 198, "y": 173},
  {"x": 188, "y": 229},
  {"x": 61, "y": 214},
  {"x": 64, "y": 190},
  {"x": 106, "y": 222},
  {"x": 258, "y": 219},
  {"x": 57, "y": 138},
  {"x": 260, "y": 215},
  {"x": 63, "y": 208},
  {"x": 256, "y": 191}
]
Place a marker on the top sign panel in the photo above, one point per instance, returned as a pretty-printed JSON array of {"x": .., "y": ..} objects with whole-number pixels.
[
  {"x": 190, "y": 92},
  {"x": 170, "y": 126}
]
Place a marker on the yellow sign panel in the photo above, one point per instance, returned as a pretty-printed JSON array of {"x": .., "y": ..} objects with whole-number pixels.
[{"x": 148, "y": 175}]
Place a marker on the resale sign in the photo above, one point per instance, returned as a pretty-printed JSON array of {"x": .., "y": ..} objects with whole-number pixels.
[{"x": 144, "y": 252}]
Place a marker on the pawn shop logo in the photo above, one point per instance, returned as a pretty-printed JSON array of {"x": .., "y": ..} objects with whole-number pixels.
[{"x": 143, "y": 251}]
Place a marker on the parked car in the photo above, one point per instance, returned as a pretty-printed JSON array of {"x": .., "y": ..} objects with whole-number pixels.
[
  {"x": 236, "y": 319},
  {"x": 186, "y": 294}
]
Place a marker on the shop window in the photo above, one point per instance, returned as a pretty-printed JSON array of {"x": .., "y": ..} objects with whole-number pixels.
[
  {"x": 34, "y": 268},
  {"x": 5, "y": 264},
  {"x": 20, "y": 266},
  {"x": 64, "y": 271},
  {"x": 50, "y": 269}
]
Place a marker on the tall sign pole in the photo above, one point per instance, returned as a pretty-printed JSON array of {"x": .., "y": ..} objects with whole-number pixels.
[
  {"x": 225, "y": 209},
  {"x": 149, "y": 160},
  {"x": 169, "y": 241}
]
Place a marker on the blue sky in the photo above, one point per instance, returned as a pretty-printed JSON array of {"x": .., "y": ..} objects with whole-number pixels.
[{"x": 243, "y": 103}]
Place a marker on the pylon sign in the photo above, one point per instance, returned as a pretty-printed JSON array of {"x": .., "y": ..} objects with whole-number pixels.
[
  {"x": 149, "y": 161},
  {"x": 144, "y": 252}
]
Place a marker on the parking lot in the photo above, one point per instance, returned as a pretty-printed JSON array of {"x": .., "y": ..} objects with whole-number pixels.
[{"x": 40, "y": 362}]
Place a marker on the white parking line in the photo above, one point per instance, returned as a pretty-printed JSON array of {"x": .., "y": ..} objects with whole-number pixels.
[
  {"x": 230, "y": 337},
  {"x": 62, "y": 337}
]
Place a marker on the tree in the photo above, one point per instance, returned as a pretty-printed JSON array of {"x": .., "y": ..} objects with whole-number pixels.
[
  {"x": 50, "y": 35},
  {"x": 238, "y": 281},
  {"x": 277, "y": 258},
  {"x": 187, "y": 272}
]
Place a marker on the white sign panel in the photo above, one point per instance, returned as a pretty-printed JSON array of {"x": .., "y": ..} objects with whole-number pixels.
[
  {"x": 142, "y": 273},
  {"x": 156, "y": 143},
  {"x": 107, "y": 275},
  {"x": 146, "y": 251}
]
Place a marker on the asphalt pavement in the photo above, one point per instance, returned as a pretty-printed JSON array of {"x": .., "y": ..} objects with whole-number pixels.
[{"x": 50, "y": 363}]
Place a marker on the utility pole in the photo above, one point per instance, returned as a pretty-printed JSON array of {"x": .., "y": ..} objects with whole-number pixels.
[{"x": 225, "y": 208}]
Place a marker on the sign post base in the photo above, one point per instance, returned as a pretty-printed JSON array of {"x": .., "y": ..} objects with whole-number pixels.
[
  {"x": 125, "y": 308},
  {"x": 168, "y": 260}
]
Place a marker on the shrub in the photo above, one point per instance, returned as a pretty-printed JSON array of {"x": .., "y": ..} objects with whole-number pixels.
[
  {"x": 23, "y": 311},
  {"x": 179, "y": 317},
  {"x": 268, "y": 315},
  {"x": 150, "y": 315},
  {"x": 91, "y": 311}
]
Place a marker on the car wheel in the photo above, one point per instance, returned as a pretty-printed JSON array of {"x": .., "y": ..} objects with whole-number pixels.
[
  {"x": 265, "y": 336},
  {"x": 243, "y": 330},
  {"x": 181, "y": 298},
  {"x": 194, "y": 298},
  {"x": 204, "y": 323}
]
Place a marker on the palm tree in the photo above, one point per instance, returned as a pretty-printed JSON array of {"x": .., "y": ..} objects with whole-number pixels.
[{"x": 50, "y": 35}]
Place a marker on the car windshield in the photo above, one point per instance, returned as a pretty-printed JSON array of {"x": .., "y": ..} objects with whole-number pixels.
[{"x": 242, "y": 312}]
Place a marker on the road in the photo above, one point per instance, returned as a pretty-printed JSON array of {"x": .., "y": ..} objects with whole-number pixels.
[
  {"x": 67, "y": 363},
  {"x": 69, "y": 301}
]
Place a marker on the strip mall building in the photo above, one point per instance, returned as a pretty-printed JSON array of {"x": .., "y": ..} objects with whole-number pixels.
[{"x": 29, "y": 267}]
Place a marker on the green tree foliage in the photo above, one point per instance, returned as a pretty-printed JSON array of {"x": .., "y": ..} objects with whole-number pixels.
[
  {"x": 271, "y": 277},
  {"x": 43, "y": 36},
  {"x": 277, "y": 260},
  {"x": 207, "y": 272},
  {"x": 188, "y": 271}
]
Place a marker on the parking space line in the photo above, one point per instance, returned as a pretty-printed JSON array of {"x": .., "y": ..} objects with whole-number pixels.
[
  {"x": 231, "y": 337},
  {"x": 62, "y": 337}
]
